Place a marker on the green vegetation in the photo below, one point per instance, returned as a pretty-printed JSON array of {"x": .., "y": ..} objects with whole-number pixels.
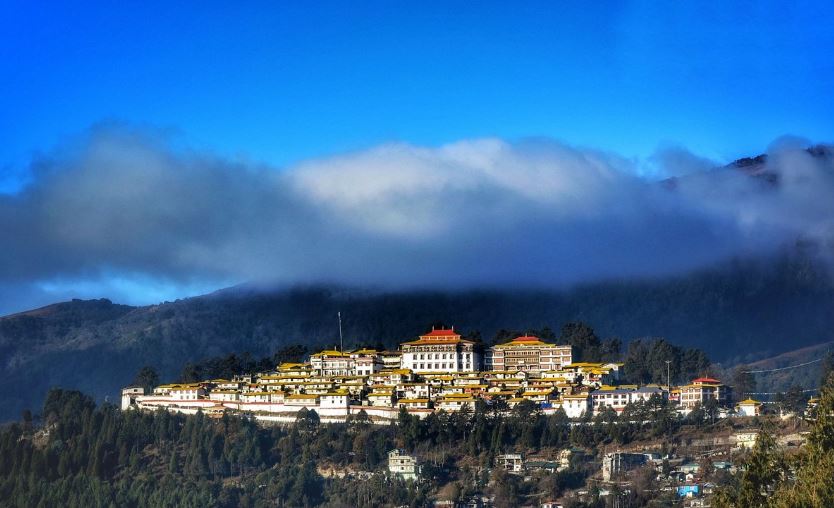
[
  {"x": 97, "y": 346},
  {"x": 226, "y": 366},
  {"x": 586, "y": 344},
  {"x": 83, "y": 455},
  {"x": 79, "y": 454},
  {"x": 773, "y": 479},
  {"x": 646, "y": 360}
]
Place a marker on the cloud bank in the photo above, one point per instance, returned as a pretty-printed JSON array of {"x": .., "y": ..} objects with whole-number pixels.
[{"x": 122, "y": 210}]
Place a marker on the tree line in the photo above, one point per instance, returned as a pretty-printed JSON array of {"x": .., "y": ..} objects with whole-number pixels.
[
  {"x": 772, "y": 478},
  {"x": 79, "y": 454}
]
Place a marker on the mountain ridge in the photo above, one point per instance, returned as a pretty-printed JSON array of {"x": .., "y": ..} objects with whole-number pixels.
[{"x": 737, "y": 313}]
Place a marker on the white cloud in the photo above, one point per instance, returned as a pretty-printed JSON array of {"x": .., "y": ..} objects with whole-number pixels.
[{"x": 473, "y": 213}]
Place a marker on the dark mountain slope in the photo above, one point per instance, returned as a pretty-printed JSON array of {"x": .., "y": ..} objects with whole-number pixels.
[
  {"x": 801, "y": 367},
  {"x": 740, "y": 312}
]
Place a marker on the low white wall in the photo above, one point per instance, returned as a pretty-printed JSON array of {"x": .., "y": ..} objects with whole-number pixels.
[{"x": 271, "y": 412}]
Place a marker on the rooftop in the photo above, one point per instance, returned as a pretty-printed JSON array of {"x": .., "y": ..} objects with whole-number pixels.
[
  {"x": 438, "y": 336},
  {"x": 330, "y": 352},
  {"x": 525, "y": 340},
  {"x": 442, "y": 332}
]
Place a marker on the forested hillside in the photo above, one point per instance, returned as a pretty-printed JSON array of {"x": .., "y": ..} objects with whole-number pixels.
[
  {"x": 736, "y": 313},
  {"x": 80, "y": 455},
  {"x": 77, "y": 454}
]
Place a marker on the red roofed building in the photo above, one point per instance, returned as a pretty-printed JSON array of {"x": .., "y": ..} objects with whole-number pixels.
[
  {"x": 441, "y": 350},
  {"x": 527, "y": 353},
  {"x": 703, "y": 389}
]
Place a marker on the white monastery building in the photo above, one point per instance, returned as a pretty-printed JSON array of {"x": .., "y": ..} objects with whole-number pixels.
[{"x": 441, "y": 350}]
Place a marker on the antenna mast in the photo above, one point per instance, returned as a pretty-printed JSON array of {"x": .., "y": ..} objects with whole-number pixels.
[{"x": 341, "y": 341}]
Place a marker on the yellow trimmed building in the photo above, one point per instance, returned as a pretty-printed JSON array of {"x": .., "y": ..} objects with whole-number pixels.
[
  {"x": 441, "y": 350},
  {"x": 332, "y": 363},
  {"x": 749, "y": 407},
  {"x": 527, "y": 353},
  {"x": 700, "y": 390}
]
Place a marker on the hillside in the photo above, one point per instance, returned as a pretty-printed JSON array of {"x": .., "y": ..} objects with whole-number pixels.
[
  {"x": 800, "y": 367},
  {"x": 737, "y": 313}
]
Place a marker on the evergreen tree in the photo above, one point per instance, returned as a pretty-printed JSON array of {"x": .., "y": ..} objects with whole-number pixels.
[
  {"x": 827, "y": 367},
  {"x": 147, "y": 378},
  {"x": 764, "y": 472},
  {"x": 815, "y": 468},
  {"x": 744, "y": 383},
  {"x": 586, "y": 344}
]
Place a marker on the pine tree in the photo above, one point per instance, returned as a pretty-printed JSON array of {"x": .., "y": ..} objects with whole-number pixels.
[
  {"x": 765, "y": 471},
  {"x": 173, "y": 464},
  {"x": 814, "y": 486}
]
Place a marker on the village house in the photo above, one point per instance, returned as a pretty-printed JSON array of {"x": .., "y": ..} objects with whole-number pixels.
[
  {"x": 255, "y": 397},
  {"x": 331, "y": 363},
  {"x": 191, "y": 391},
  {"x": 749, "y": 407},
  {"x": 576, "y": 405},
  {"x": 338, "y": 399},
  {"x": 437, "y": 381},
  {"x": 391, "y": 360},
  {"x": 510, "y": 462},
  {"x": 616, "y": 398},
  {"x": 619, "y": 397},
  {"x": 615, "y": 464},
  {"x": 498, "y": 394},
  {"x": 403, "y": 465},
  {"x": 468, "y": 379},
  {"x": 449, "y": 390},
  {"x": 455, "y": 402},
  {"x": 224, "y": 395},
  {"x": 354, "y": 386},
  {"x": 415, "y": 390},
  {"x": 558, "y": 376},
  {"x": 225, "y": 384},
  {"x": 366, "y": 362},
  {"x": 163, "y": 390},
  {"x": 301, "y": 399},
  {"x": 594, "y": 374},
  {"x": 746, "y": 440},
  {"x": 540, "y": 396},
  {"x": 414, "y": 403},
  {"x": 549, "y": 466},
  {"x": 392, "y": 378},
  {"x": 270, "y": 382},
  {"x": 381, "y": 398},
  {"x": 292, "y": 366}
]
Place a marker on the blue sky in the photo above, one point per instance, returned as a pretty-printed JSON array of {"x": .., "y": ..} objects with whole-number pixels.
[
  {"x": 124, "y": 97},
  {"x": 280, "y": 82}
]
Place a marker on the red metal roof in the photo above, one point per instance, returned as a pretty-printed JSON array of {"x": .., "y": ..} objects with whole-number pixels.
[
  {"x": 526, "y": 338},
  {"x": 442, "y": 332},
  {"x": 705, "y": 380}
]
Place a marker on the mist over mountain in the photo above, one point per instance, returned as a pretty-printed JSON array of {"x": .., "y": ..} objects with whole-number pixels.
[
  {"x": 738, "y": 312},
  {"x": 124, "y": 212},
  {"x": 734, "y": 259}
]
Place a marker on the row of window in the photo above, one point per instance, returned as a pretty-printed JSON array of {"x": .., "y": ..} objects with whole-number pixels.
[
  {"x": 435, "y": 366},
  {"x": 437, "y": 356}
]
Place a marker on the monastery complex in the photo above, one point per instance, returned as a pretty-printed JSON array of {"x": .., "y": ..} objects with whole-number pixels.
[{"x": 440, "y": 370}]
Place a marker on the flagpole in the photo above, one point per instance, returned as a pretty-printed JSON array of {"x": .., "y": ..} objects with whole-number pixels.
[{"x": 341, "y": 341}]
